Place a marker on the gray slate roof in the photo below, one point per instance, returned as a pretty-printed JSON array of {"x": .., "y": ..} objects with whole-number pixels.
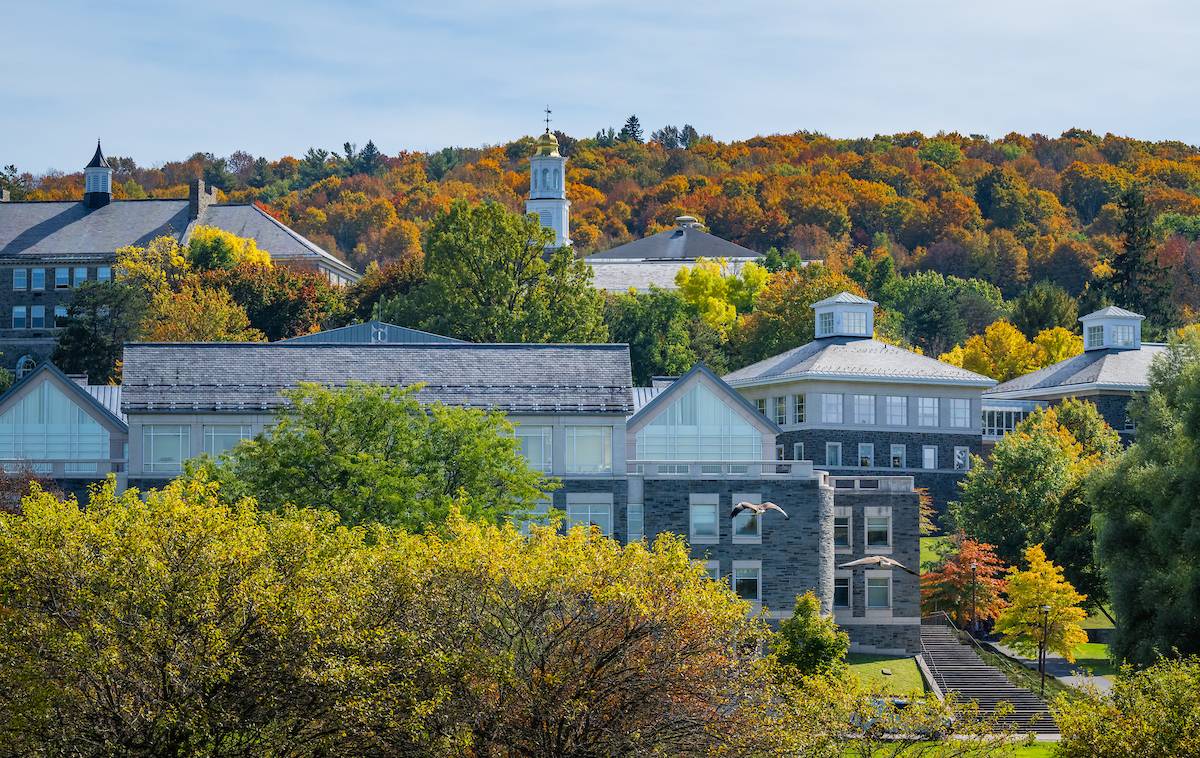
[
  {"x": 570, "y": 379},
  {"x": 676, "y": 244},
  {"x": 69, "y": 230},
  {"x": 854, "y": 359},
  {"x": 1092, "y": 369},
  {"x": 641, "y": 276},
  {"x": 372, "y": 333}
]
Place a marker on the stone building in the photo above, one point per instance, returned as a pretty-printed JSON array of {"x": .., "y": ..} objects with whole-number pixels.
[{"x": 49, "y": 248}]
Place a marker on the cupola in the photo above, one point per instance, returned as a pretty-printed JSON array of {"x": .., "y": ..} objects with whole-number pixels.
[
  {"x": 1112, "y": 328},
  {"x": 97, "y": 181},
  {"x": 547, "y": 188},
  {"x": 845, "y": 315}
]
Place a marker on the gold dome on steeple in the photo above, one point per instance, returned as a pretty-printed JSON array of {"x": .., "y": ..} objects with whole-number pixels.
[{"x": 547, "y": 144}]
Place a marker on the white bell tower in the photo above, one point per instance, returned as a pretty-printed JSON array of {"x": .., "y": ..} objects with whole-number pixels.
[{"x": 547, "y": 187}]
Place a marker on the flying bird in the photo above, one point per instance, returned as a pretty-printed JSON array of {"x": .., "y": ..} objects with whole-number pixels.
[
  {"x": 757, "y": 509},
  {"x": 882, "y": 561}
]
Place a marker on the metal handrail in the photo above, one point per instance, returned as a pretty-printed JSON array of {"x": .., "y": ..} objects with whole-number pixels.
[{"x": 1007, "y": 665}]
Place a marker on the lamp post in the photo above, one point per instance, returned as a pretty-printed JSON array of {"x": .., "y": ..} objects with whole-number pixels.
[
  {"x": 974, "y": 605},
  {"x": 1044, "y": 641}
]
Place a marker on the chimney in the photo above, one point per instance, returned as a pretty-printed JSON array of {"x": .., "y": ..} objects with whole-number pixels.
[
  {"x": 199, "y": 198},
  {"x": 687, "y": 222},
  {"x": 5, "y": 197}
]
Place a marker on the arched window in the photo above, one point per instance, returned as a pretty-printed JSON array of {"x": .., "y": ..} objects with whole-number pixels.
[
  {"x": 545, "y": 178},
  {"x": 534, "y": 175},
  {"x": 557, "y": 179},
  {"x": 25, "y": 365}
]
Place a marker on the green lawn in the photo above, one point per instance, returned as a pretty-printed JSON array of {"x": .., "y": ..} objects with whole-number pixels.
[
  {"x": 931, "y": 550},
  {"x": 1097, "y": 621},
  {"x": 905, "y": 677},
  {"x": 1094, "y": 656},
  {"x": 1028, "y": 678}
]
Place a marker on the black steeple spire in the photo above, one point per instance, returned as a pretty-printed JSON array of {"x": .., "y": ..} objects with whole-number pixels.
[{"x": 98, "y": 159}]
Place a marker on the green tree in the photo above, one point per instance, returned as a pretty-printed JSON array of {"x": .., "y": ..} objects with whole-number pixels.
[
  {"x": 376, "y": 454},
  {"x": 1139, "y": 282},
  {"x": 1025, "y": 625},
  {"x": 491, "y": 280},
  {"x": 811, "y": 643},
  {"x": 942, "y": 152},
  {"x": 1043, "y": 306},
  {"x": 1146, "y": 515},
  {"x": 657, "y": 326},
  {"x": 280, "y": 301},
  {"x": 101, "y": 318},
  {"x": 782, "y": 317},
  {"x": 1147, "y": 712},
  {"x": 631, "y": 131}
]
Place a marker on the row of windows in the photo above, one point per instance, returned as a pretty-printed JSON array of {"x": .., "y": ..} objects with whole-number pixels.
[
  {"x": 897, "y": 456},
  {"x": 791, "y": 409},
  {"x": 704, "y": 520},
  {"x": 745, "y": 578},
  {"x": 877, "y": 528},
  {"x": 1122, "y": 335},
  {"x": 35, "y": 278},
  {"x": 853, "y": 322},
  {"x": 166, "y": 446},
  {"x": 588, "y": 449},
  {"x": 878, "y": 592},
  {"x": 34, "y": 317}
]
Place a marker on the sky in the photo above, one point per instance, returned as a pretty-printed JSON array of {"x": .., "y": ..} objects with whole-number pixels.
[{"x": 161, "y": 80}]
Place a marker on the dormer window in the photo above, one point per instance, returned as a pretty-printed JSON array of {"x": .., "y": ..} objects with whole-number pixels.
[
  {"x": 856, "y": 323},
  {"x": 1123, "y": 335},
  {"x": 1095, "y": 336},
  {"x": 844, "y": 315},
  {"x": 824, "y": 324},
  {"x": 1112, "y": 328}
]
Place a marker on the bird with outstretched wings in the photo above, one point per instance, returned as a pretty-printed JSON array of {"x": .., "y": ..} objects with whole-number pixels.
[
  {"x": 878, "y": 561},
  {"x": 757, "y": 509}
]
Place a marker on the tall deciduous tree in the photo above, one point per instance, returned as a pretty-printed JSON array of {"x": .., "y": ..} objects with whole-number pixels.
[
  {"x": 658, "y": 328},
  {"x": 968, "y": 584},
  {"x": 492, "y": 280},
  {"x": 197, "y": 314},
  {"x": 1025, "y": 626}
]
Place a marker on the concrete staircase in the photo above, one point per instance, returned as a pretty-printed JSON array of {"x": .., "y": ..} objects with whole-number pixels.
[{"x": 957, "y": 668}]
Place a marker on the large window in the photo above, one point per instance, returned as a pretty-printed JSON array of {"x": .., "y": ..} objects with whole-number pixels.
[
  {"x": 833, "y": 453},
  {"x": 831, "y": 409},
  {"x": 879, "y": 591},
  {"x": 929, "y": 456},
  {"x": 45, "y": 424},
  {"x": 104, "y": 273},
  {"x": 1123, "y": 335},
  {"x": 1095, "y": 336},
  {"x": 927, "y": 411},
  {"x": 780, "y": 405},
  {"x": 537, "y": 445},
  {"x": 747, "y": 580},
  {"x": 37, "y": 317},
  {"x": 841, "y": 527},
  {"x": 60, "y": 316},
  {"x": 825, "y": 324},
  {"x": 20, "y": 278},
  {"x": 856, "y": 322},
  {"x": 960, "y": 412},
  {"x": 997, "y": 423},
  {"x": 590, "y": 509},
  {"x": 62, "y": 278},
  {"x": 761, "y": 405},
  {"x": 866, "y": 455},
  {"x": 165, "y": 447},
  {"x": 798, "y": 451},
  {"x": 747, "y": 526},
  {"x": 841, "y": 592},
  {"x": 699, "y": 426},
  {"x": 589, "y": 449},
  {"x": 221, "y": 438},
  {"x": 897, "y": 457},
  {"x": 897, "y": 410},
  {"x": 864, "y": 409},
  {"x": 798, "y": 409},
  {"x": 19, "y": 317},
  {"x": 703, "y": 519},
  {"x": 878, "y": 527},
  {"x": 80, "y": 275},
  {"x": 37, "y": 279}
]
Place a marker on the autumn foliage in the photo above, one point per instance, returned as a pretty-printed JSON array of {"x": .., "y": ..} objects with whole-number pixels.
[{"x": 969, "y": 584}]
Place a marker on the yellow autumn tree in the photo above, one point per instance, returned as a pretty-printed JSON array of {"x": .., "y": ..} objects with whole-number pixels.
[
  {"x": 210, "y": 247},
  {"x": 1003, "y": 353},
  {"x": 1056, "y": 344},
  {"x": 719, "y": 291},
  {"x": 161, "y": 266},
  {"x": 1022, "y": 623},
  {"x": 197, "y": 314}
]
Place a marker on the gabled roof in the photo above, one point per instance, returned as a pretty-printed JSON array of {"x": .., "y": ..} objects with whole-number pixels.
[
  {"x": 658, "y": 397},
  {"x": 372, "y": 333},
  {"x": 844, "y": 298},
  {"x": 282, "y": 242},
  {"x": 105, "y": 399},
  {"x": 676, "y": 244},
  {"x": 854, "y": 359},
  {"x": 1112, "y": 311},
  {"x": 1122, "y": 370},
  {"x": 232, "y": 377},
  {"x": 97, "y": 160}
]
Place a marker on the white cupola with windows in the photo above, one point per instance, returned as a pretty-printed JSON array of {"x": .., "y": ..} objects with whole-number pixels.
[
  {"x": 547, "y": 188},
  {"x": 97, "y": 180},
  {"x": 845, "y": 315},
  {"x": 1112, "y": 328}
]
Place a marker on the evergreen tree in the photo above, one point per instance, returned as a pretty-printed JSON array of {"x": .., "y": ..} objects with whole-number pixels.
[
  {"x": 1139, "y": 283},
  {"x": 101, "y": 318},
  {"x": 1043, "y": 306},
  {"x": 809, "y": 642},
  {"x": 688, "y": 135},
  {"x": 668, "y": 137},
  {"x": 369, "y": 160},
  {"x": 606, "y": 137},
  {"x": 632, "y": 131}
]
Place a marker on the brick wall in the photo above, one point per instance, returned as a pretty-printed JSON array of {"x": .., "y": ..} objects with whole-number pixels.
[{"x": 38, "y": 343}]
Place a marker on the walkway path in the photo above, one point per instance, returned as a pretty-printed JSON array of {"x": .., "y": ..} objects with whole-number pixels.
[{"x": 1069, "y": 674}]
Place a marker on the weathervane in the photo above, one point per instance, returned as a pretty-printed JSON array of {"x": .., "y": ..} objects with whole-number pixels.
[{"x": 548, "y": 119}]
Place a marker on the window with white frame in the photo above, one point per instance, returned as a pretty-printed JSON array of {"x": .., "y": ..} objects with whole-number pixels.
[
  {"x": 864, "y": 409},
  {"x": 699, "y": 425},
  {"x": 713, "y": 569},
  {"x": 537, "y": 446},
  {"x": 927, "y": 411},
  {"x": 825, "y": 324},
  {"x": 897, "y": 410},
  {"x": 1123, "y": 335},
  {"x": 879, "y": 589},
  {"x": 780, "y": 407},
  {"x": 747, "y": 580},
  {"x": 855, "y": 322},
  {"x": 747, "y": 525},
  {"x": 19, "y": 317},
  {"x": 842, "y": 526},
  {"x": 104, "y": 273},
  {"x": 80, "y": 275},
  {"x": 704, "y": 519},
  {"x": 831, "y": 408},
  {"x": 833, "y": 453},
  {"x": 798, "y": 410},
  {"x": 589, "y": 449},
  {"x": 635, "y": 518},
  {"x": 37, "y": 279},
  {"x": 779, "y": 452},
  {"x": 962, "y": 458},
  {"x": 20, "y": 279},
  {"x": 798, "y": 451},
  {"x": 929, "y": 456},
  {"x": 1095, "y": 336},
  {"x": 62, "y": 278},
  {"x": 960, "y": 412},
  {"x": 165, "y": 447},
  {"x": 221, "y": 438},
  {"x": 877, "y": 527},
  {"x": 760, "y": 404},
  {"x": 841, "y": 591},
  {"x": 866, "y": 455},
  {"x": 37, "y": 317},
  {"x": 591, "y": 509},
  {"x": 897, "y": 456}
]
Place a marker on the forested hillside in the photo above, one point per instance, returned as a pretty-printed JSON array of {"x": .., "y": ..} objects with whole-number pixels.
[{"x": 1106, "y": 219}]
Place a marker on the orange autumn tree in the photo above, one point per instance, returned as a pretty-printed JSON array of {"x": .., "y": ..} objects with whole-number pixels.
[{"x": 949, "y": 586}]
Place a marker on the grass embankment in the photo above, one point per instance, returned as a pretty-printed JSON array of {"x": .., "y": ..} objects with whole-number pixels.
[
  {"x": 932, "y": 549},
  {"x": 1094, "y": 657},
  {"x": 1030, "y": 679},
  {"x": 905, "y": 678}
]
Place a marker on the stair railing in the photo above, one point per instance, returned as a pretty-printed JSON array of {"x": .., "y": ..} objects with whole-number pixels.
[{"x": 1012, "y": 671}]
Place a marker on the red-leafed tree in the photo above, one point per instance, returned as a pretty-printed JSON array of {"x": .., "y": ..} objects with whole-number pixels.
[{"x": 968, "y": 584}]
